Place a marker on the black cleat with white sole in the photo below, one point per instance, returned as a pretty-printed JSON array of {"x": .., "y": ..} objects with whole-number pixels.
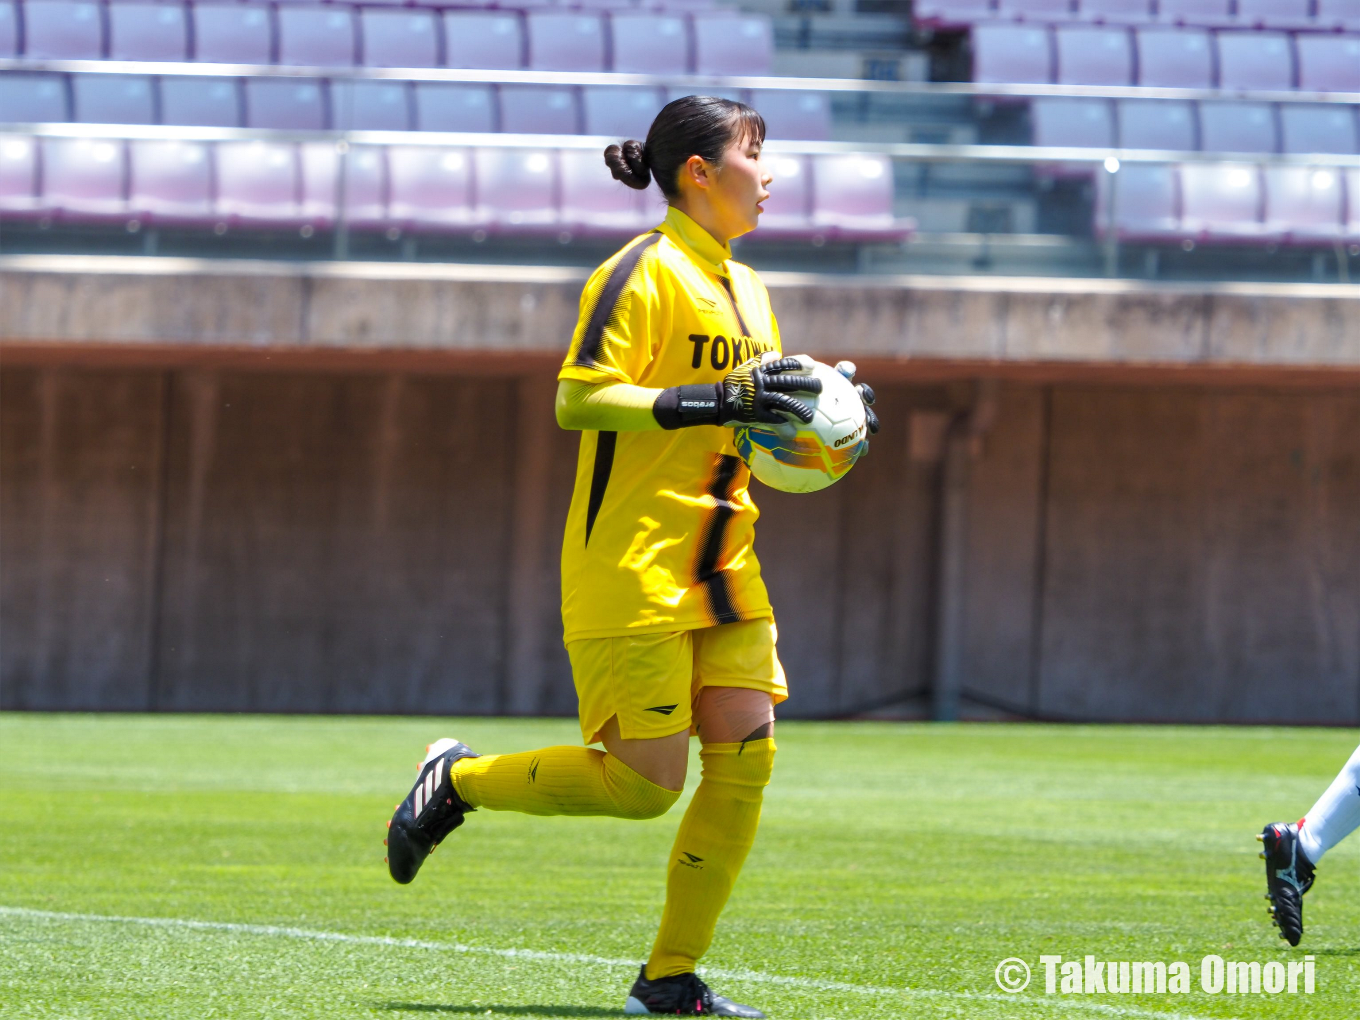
[
  {"x": 1289, "y": 874},
  {"x": 682, "y": 995},
  {"x": 430, "y": 811}
]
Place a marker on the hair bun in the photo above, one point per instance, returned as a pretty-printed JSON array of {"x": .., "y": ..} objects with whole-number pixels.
[{"x": 628, "y": 163}]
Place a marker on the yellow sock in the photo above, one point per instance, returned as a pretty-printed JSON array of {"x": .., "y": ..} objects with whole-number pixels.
[
  {"x": 560, "y": 781},
  {"x": 710, "y": 848}
]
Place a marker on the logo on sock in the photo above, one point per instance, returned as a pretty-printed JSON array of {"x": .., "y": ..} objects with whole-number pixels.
[
  {"x": 694, "y": 862},
  {"x": 533, "y": 770},
  {"x": 661, "y": 709}
]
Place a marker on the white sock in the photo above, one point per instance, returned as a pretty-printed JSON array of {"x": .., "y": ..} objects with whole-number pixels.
[{"x": 1336, "y": 814}]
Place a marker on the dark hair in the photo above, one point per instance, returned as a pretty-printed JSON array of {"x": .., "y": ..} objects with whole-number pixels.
[{"x": 693, "y": 126}]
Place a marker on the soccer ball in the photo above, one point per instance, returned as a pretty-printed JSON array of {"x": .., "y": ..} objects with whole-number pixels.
[{"x": 794, "y": 457}]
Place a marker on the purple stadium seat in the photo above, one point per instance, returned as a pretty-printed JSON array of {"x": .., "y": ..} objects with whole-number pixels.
[
  {"x": 1237, "y": 127},
  {"x": 1221, "y": 201},
  {"x": 399, "y": 38},
  {"x": 794, "y": 116},
  {"x": 257, "y": 182},
  {"x": 293, "y": 104},
  {"x": 1284, "y": 14},
  {"x": 32, "y": 99},
  {"x": 727, "y": 43},
  {"x": 84, "y": 177},
  {"x": 232, "y": 34},
  {"x": 1329, "y": 63},
  {"x": 1304, "y": 203},
  {"x": 18, "y": 175},
  {"x": 1255, "y": 60},
  {"x": 170, "y": 181},
  {"x": 539, "y": 110},
  {"x": 593, "y": 202},
  {"x": 788, "y": 210},
  {"x": 735, "y": 95},
  {"x": 1035, "y": 10},
  {"x": 482, "y": 39},
  {"x": 144, "y": 31},
  {"x": 365, "y": 198},
  {"x": 647, "y": 43},
  {"x": 1156, "y": 124},
  {"x": 562, "y": 41},
  {"x": 430, "y": 187},
  {"x": 1195, "y": 13},
  {"x": 113, "y": 99},
  {"x": 63, "y": 30},
  {"x": 1145, "y": 200},
  {"x": 318, "y": 36},
  {"x": 442, "y": 106},
  {"x": 9, "y": 29},
  {"x": 852, "y": 196},
  {"x": 516, "y": 188},
  {"x": 1012, "y": 53},
  {"x": 1339, "y": 15},
  {"x": 1093, "y": 56},
  {"x": 1353, "y": 205},
  {"x": 619, "y": 112},
  {"x": 952, "y": 13},
  {"x": 370, "y": 106},
  {"x": 1073, "y": 122},
  {"x": 1174, "y": 58},
  {"x": 1308, "y": 128},
  {"x": 201, "y": 102},
  {"x": 1116, "y": 12}
]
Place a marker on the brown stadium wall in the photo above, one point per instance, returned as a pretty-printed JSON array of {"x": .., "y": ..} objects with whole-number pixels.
[{"x": 240, "y": 490}]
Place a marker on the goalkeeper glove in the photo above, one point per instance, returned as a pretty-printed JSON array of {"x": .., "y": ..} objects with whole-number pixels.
[
  {"x": 755, "y": 391},
  {"x": 866, "y": 394}
]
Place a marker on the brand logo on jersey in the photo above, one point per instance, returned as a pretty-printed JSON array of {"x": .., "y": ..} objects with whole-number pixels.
[{"x": 723, "y": 352}]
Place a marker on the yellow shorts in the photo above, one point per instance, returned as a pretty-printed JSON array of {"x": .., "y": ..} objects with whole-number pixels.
[{"x": 650, "y": 681}]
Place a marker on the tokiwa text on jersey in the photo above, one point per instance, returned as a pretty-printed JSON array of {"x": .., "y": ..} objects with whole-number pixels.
[{"x": 734, "y": 352}]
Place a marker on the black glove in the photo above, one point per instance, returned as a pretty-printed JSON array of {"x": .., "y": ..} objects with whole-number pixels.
[
  {"x": 866, "y": 394},
  {"x": 751, "y": 392}
]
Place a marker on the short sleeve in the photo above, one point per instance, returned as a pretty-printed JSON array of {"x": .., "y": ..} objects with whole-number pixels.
[{"x": 613, "y": 339}]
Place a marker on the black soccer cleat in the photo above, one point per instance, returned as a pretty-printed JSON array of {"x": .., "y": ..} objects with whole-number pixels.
[
  {"x": 430, "y": 811},
  {"x": 1289, "y": 874},
  {"x": 682, "y": 995}
]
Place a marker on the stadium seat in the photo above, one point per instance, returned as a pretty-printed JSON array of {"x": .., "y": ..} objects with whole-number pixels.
[
  {"x": 147, "y": 31},
  {"x": 726, "y": 43},
  {"x": 619, "y": 112},
  {"x": 170, "y": 181},
  {"x": 18, "y": 175},
  {"x": 1281, "y": 14},
  {"x": 649, "y": 43},
  {"x": 482, "y": 39},
  {"x": 83, "y": 177},
  {"x": 952, "y": 13},
  {"x": 735, "y": 95},
  {"x": 594, "y": 203},
  {"x": 563, "y": 41},
  {"x": 370, "y": 106},
  {"x": 1255, "y": 60},
  {"x": 201, "y": 102},
  {"x": 1174, "y": 58},
  {"x": 1141, "y": 202},
  {"x": 9, "y": 29},
  {"x": 442, "y": 106},
  {"x": 1156, "y": 124},
  {"x": 1073, "y": 122},
  {"x": 1237, "y": 127},
  {"x": 232, "y": 34},
  {"x": 404, "y": 38},
  {"x": 63, "y": 30},
  {"x": 257, "y": 182},
  {"x": 794, "y": 116},
  {"x": 430, "y": 187},
  {"x": 1323, "y": 128},
  {"x": 1221, "y": 201},
  {"x": 1353, "y": 205},
  {"x": 1012, "y": 53},
  {"x": 1093, "y": 56},
  {"x": 1195, "y": 13},
  {"x": 1116, "y": 12},
  {"x": 516, "y": 188},
  {"x": 291, "y": 104},
  {"x": 1329, "y": 63},
  {"x": 788, "y": 210},
  {"x": 316, "y": 36},
  {"x": 1304, "y": 203},
  {"x": 1338, "y": 15},
  {"x": 32, "y": 99},
  {"x": 852, "y": 197},
  {"x": 113, "y": 99},
  {"x": 365, "y": 196},
  {"x": 539, "y": 110},
  {"x": 1038, "y": 11}
]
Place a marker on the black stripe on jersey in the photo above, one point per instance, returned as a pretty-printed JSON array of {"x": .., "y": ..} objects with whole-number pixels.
[
  {"x": 727, "y": 286},
  {"x": 715, "y": 584},
  {"x": 599, "y": 476},
  {"x": 588, "y": 354}
]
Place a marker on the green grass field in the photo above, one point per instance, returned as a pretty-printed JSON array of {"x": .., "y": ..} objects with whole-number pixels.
[{"x": 897, "y": 865}]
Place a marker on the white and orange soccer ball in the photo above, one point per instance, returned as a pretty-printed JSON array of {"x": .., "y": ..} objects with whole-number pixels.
[{"x": 804, "y": 458}]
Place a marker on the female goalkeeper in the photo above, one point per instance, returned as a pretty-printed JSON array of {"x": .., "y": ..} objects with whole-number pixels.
[{"x": 667, "y": 622}]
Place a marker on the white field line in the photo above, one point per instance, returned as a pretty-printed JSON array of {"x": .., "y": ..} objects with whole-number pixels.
[{"x": 752, "y": 976}]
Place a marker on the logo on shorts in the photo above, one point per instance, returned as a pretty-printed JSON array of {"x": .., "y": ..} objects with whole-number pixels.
[{"x": 661, "y": 709}]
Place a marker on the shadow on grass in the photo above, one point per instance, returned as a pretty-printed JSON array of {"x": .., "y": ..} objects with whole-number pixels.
[{"x": 499, "y": 1010}]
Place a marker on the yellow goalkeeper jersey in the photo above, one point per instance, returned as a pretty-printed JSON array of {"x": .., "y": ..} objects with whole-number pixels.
[{"x": 660, "y": 531}]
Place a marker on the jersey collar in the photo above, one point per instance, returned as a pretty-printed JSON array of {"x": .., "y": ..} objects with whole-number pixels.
[{"x": 697, "y": 242}]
